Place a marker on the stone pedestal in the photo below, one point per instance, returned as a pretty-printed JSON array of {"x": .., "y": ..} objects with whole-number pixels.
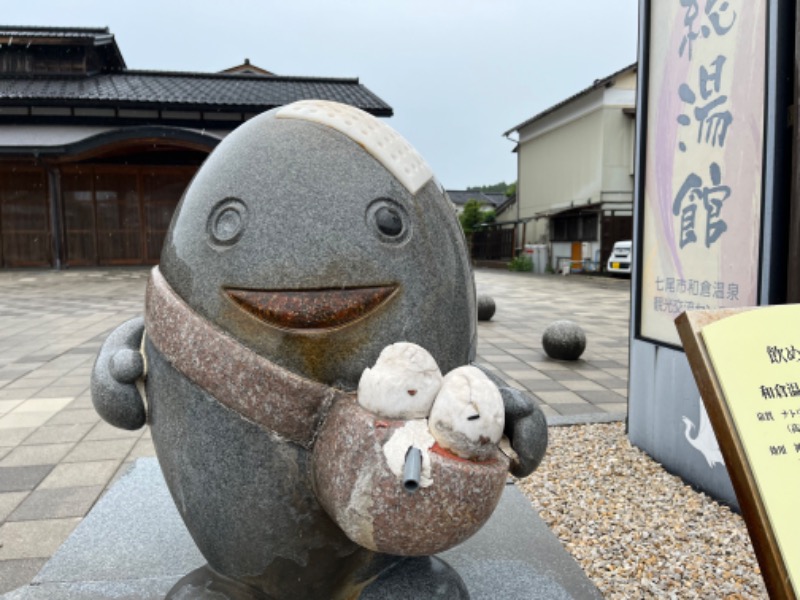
[{"x": 134, "y": 546}]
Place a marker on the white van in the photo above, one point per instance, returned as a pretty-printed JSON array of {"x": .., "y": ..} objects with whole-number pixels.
[{"x": 621, "y": 258}]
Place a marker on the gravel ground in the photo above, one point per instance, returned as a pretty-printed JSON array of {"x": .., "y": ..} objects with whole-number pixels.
[{"x": 637, "y": 531}]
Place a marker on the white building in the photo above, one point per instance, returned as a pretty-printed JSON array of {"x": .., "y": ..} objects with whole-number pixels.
[{"x": 575, "y": 172}]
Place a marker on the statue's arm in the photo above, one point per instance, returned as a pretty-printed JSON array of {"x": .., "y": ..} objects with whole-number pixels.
[
  {"x": 526, "y": 427},
  {"x": 118, "y": 366}
]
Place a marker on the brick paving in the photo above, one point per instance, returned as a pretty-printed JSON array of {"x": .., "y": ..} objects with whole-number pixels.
[
  {"x": 57, "y": 456},
  {"x": 593, "y": 388}
]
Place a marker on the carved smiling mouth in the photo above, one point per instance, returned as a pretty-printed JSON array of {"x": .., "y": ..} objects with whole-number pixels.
[{"x": 311, "y": 309}]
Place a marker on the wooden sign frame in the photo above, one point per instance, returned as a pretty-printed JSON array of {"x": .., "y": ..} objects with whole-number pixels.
[{"x": 773, "y": 568}]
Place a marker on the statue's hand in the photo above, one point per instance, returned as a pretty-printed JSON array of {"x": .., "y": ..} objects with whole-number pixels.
[
  {"x": 118, "y": 366},
  {"x": 525, "y": 427}
]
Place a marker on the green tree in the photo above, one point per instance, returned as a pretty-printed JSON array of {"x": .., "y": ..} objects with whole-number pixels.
[
  {"x": 472, "y": 216},
  {"x": 509, "y": 189},
  {"x": 495, "y": 188}
]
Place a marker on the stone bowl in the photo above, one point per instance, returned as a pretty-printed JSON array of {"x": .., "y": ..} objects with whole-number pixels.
[{"x": 360, "y": 492}]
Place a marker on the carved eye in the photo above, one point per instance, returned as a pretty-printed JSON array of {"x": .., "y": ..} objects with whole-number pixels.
[
  {"x": 388, "y": 220},
  {"x": 227, "y": 222}
]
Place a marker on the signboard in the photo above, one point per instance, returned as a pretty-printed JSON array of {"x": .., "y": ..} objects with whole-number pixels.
[
  {"x": 703, "y": 148},
  {"x": 747, "y": 366}
]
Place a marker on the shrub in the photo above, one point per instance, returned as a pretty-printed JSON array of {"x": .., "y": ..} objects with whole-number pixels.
[{"x": 520, "y": 263}]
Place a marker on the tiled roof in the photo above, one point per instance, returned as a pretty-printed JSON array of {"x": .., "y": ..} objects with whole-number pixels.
[
  {"x": 100, "y": 39},
  {"x": 14, "y": 31},
  {"x": 461, "y": 197},
  {"x": 148, "y": 89},
  {"x": 598, "y": 83},
  {"x": 248, "y": 69}
]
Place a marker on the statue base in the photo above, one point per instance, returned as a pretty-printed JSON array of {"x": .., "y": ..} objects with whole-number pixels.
[{"x": 133, "y": 545}]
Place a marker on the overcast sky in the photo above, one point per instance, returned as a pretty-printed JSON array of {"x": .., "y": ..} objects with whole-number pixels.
[{"x": 458, "y": 73}]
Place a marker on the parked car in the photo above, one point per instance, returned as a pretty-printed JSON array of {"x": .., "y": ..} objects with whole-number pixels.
[{"x": 621, "y": 257}]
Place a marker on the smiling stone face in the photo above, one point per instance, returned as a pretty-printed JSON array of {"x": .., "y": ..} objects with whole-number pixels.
[{"x": 303, "y": 243}]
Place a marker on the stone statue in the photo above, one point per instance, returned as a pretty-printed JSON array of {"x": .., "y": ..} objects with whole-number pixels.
[{"x": 311, "y": 239}]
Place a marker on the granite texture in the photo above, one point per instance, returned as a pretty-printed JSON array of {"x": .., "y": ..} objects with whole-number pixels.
[
  {"x": 419, "y": 577},
  {"x": 523, "y": 421},
  {"x": 133, "y": 532},
  {"x": 292, "y": 260},
  {"x": 368, "y": 501},
  {"x": 486, "y": 307},
  {"x": 307, "y": 200},
  {"x": 244, "y": 493},
  {"x": 564, "y": 340},
  {"x": 131, "y": 546},
  {"x": 234, "y": 375},
  {"x": 118, "y": 365},
  {"x": 134, "y": 546},
  {"x": 312, "y": 309}
]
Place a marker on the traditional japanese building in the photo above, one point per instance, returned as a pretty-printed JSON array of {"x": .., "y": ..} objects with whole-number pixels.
[{"x": 95, "y": 156}]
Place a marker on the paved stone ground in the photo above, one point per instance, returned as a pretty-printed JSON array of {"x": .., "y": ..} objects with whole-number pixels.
[
  {"x": 57, "y": 457},
  {"x": 593, "y": 388}
]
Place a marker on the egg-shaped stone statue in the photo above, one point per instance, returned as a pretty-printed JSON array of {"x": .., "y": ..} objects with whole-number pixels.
[{"x": 311, "y": 238}]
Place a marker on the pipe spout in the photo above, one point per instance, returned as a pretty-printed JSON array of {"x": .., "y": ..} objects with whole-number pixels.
[{"x": 412, "y": 469}]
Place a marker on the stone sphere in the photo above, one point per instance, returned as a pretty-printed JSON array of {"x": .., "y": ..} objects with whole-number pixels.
[
  {"x": 486, "y": 308},
  {"x": 564, "y": 340}
]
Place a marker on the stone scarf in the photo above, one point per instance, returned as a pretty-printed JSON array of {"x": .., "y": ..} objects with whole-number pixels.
[{"x": 261, "y": 391}]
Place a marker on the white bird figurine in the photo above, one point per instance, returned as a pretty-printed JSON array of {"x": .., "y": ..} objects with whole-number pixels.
[
  {"x": 468, "y": 416},
  {"x": 402, "y": 384},
  {"x": 705, "y": 441}
]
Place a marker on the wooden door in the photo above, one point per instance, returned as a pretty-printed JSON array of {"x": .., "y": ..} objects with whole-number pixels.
[
  {"x": 576, "y": 257},
  {"x": 80, "y": 232},
  {"x": 162, "y": 190},
  {"x": 25, "y": 238},
  {"x": 119, "y": 215}
]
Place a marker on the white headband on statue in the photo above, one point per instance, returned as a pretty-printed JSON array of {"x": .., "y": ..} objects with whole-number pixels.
[{"x": 386, "y": 145}]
